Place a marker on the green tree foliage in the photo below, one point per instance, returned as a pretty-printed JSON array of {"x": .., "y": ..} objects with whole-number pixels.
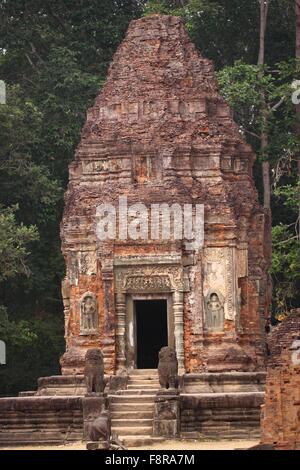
[
  {"x": 164, "y": 7},
  {"x": 14, "y": 240},
  {"x": 286, "y": 251},
  {"x": 228, "y": 30},
  {"x": 53, "y": 57},
  {"x": 32, "y": 349},
  {"x": 241, "y": 86}
]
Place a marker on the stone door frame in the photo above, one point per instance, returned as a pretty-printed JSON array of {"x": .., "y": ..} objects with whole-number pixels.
[
  {"x": 131, "y": 332},
  {"x": 154, "y": 276}
]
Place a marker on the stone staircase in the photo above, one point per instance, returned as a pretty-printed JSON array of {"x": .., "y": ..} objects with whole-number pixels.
[{"x": 132, "y": 409}]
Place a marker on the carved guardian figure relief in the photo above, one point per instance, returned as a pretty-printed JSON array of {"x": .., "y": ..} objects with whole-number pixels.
[
  {"x": 88, "y": 314},
  {"x": 214, "y": 311}
]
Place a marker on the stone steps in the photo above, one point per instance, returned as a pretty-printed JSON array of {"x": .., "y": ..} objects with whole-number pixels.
[
  {"x": 139, "y": 441},
  {"x": 136, "y": 441},
  {"x": 131, "y": 407},
  {"x": 143, "y": 372},
  {"x": 123, "y": 422},
  {"x": 143, "y": 378},
  {"x": 142, "y": 387},
  {"x": 132, "y": 430},
  {"x": 132, "y": 398},
  {"x": 134, "y": 415},
  {"x": 137, "y": 392}
]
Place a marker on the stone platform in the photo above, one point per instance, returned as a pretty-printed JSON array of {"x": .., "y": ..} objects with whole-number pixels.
[
  {"x": 213, "y": 405},
  {"x": 61, "y": 385},
  {"x": 222, "y": 406},
  {"x": 40, "y": 420}
]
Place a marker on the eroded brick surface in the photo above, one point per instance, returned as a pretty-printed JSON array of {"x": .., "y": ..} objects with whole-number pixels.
[
  {"x": 281, "y": 411},
  {"x": 159, "y": 132}
]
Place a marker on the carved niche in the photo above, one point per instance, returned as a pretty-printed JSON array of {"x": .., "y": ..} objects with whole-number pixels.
[
  {"x": 214, "y": 311},
  {"x": 88, "y": 314},
  {"x": 73, "y": 269},
  {"x": 219, "y": 275},
  {"x": 88, "y": 263}
]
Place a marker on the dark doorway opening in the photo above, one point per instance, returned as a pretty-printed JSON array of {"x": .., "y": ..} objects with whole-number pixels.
[{"x": 151, "y": 331}]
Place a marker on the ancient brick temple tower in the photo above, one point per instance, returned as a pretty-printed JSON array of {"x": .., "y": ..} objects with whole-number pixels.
[{"x": 159, "y": 132}]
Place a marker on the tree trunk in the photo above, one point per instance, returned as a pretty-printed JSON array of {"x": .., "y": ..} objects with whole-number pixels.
[
  {"x": 264, "y": 6},
  {"x": 297, "y": 10}
]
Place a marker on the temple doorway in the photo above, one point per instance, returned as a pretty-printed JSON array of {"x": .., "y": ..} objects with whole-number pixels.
[{"x": 151, "y": 317}]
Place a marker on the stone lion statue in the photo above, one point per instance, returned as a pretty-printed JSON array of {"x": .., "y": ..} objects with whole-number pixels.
[
  {"x": 100, "y": 430},
  {"x": 167, "y": 368},
  {"x": 94, "y": 371}
]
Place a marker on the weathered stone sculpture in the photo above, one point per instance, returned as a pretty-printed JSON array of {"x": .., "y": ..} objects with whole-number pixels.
[
  {"x": 94, "y": 371},
  {"x": 100, "y": 435},
  {"x": 281, "y": 411},
  {"x": 88, "y": 309},
  {"x": 214, "y": 318},
  {"x": 168, "y": 368},
  {"x": 100, "y": 428}
]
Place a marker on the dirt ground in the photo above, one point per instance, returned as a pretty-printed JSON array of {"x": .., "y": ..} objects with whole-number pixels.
[{"x": 166, "y": 445}]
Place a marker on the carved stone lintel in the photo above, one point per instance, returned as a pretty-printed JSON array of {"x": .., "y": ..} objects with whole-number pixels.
[
  {"x": 151, "y": 278},
  {"x": 148, "y": 283}
]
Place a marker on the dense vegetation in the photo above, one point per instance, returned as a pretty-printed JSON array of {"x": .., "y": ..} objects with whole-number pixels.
[{"x": 53, "y": 58}]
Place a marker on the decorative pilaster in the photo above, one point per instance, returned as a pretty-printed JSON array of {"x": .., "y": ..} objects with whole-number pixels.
[
  {"x": 121, "y": 330},
  {"x": 109, "y": 333},
  {"x": 179, "y": 329},
  {"x": 108, "y": 290}
]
